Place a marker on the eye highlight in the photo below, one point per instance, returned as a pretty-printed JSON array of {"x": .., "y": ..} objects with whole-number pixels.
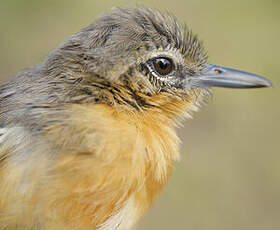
[{"x": 163, "y": 65}]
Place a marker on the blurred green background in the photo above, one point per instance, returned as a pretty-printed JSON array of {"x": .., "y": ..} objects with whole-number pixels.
[{"x": 229, "y": 175}]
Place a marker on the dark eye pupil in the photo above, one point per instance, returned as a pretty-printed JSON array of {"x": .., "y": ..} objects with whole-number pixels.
[{"x": 163, "y": 65}]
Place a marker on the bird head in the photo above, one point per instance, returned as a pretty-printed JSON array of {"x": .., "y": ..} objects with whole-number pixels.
[{"x": 143, "y": 59}]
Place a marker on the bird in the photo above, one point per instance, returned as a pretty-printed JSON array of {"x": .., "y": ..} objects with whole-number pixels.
[{"x": 88, "y": 137}]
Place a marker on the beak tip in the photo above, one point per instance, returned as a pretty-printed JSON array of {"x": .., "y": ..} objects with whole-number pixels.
[
  {"x": 267, "y": 83},
  {"x": 270, "y": 84}
]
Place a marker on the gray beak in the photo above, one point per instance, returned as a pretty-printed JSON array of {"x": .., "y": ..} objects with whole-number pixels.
[{"x": 218, "y": 76}]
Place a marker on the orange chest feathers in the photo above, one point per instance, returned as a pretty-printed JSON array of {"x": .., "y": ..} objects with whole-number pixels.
[{"x": 122, "y": 163}]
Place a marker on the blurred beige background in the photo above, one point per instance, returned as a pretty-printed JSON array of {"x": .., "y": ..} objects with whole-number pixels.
[{"x": 229, "y": 175}]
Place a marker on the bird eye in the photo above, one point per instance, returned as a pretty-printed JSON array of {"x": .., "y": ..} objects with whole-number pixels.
[{"x": 163, "y": 65}]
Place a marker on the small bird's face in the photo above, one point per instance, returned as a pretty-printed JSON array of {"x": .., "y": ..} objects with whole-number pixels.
[{"x": 141, "y": 52}]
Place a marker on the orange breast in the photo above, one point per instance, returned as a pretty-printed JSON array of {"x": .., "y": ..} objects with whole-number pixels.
[
  {"x": 123, "y": 162},
  {"x": 105, "y": 168}
]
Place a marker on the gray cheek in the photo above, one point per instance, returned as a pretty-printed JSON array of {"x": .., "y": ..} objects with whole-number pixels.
[{"x": 178, "y": 80}]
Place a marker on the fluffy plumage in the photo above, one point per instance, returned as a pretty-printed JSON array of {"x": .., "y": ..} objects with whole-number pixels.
[{"x": 88, "y": 137}]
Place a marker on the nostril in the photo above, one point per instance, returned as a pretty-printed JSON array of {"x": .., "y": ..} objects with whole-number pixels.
[{"x": 218, "y": 71}]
